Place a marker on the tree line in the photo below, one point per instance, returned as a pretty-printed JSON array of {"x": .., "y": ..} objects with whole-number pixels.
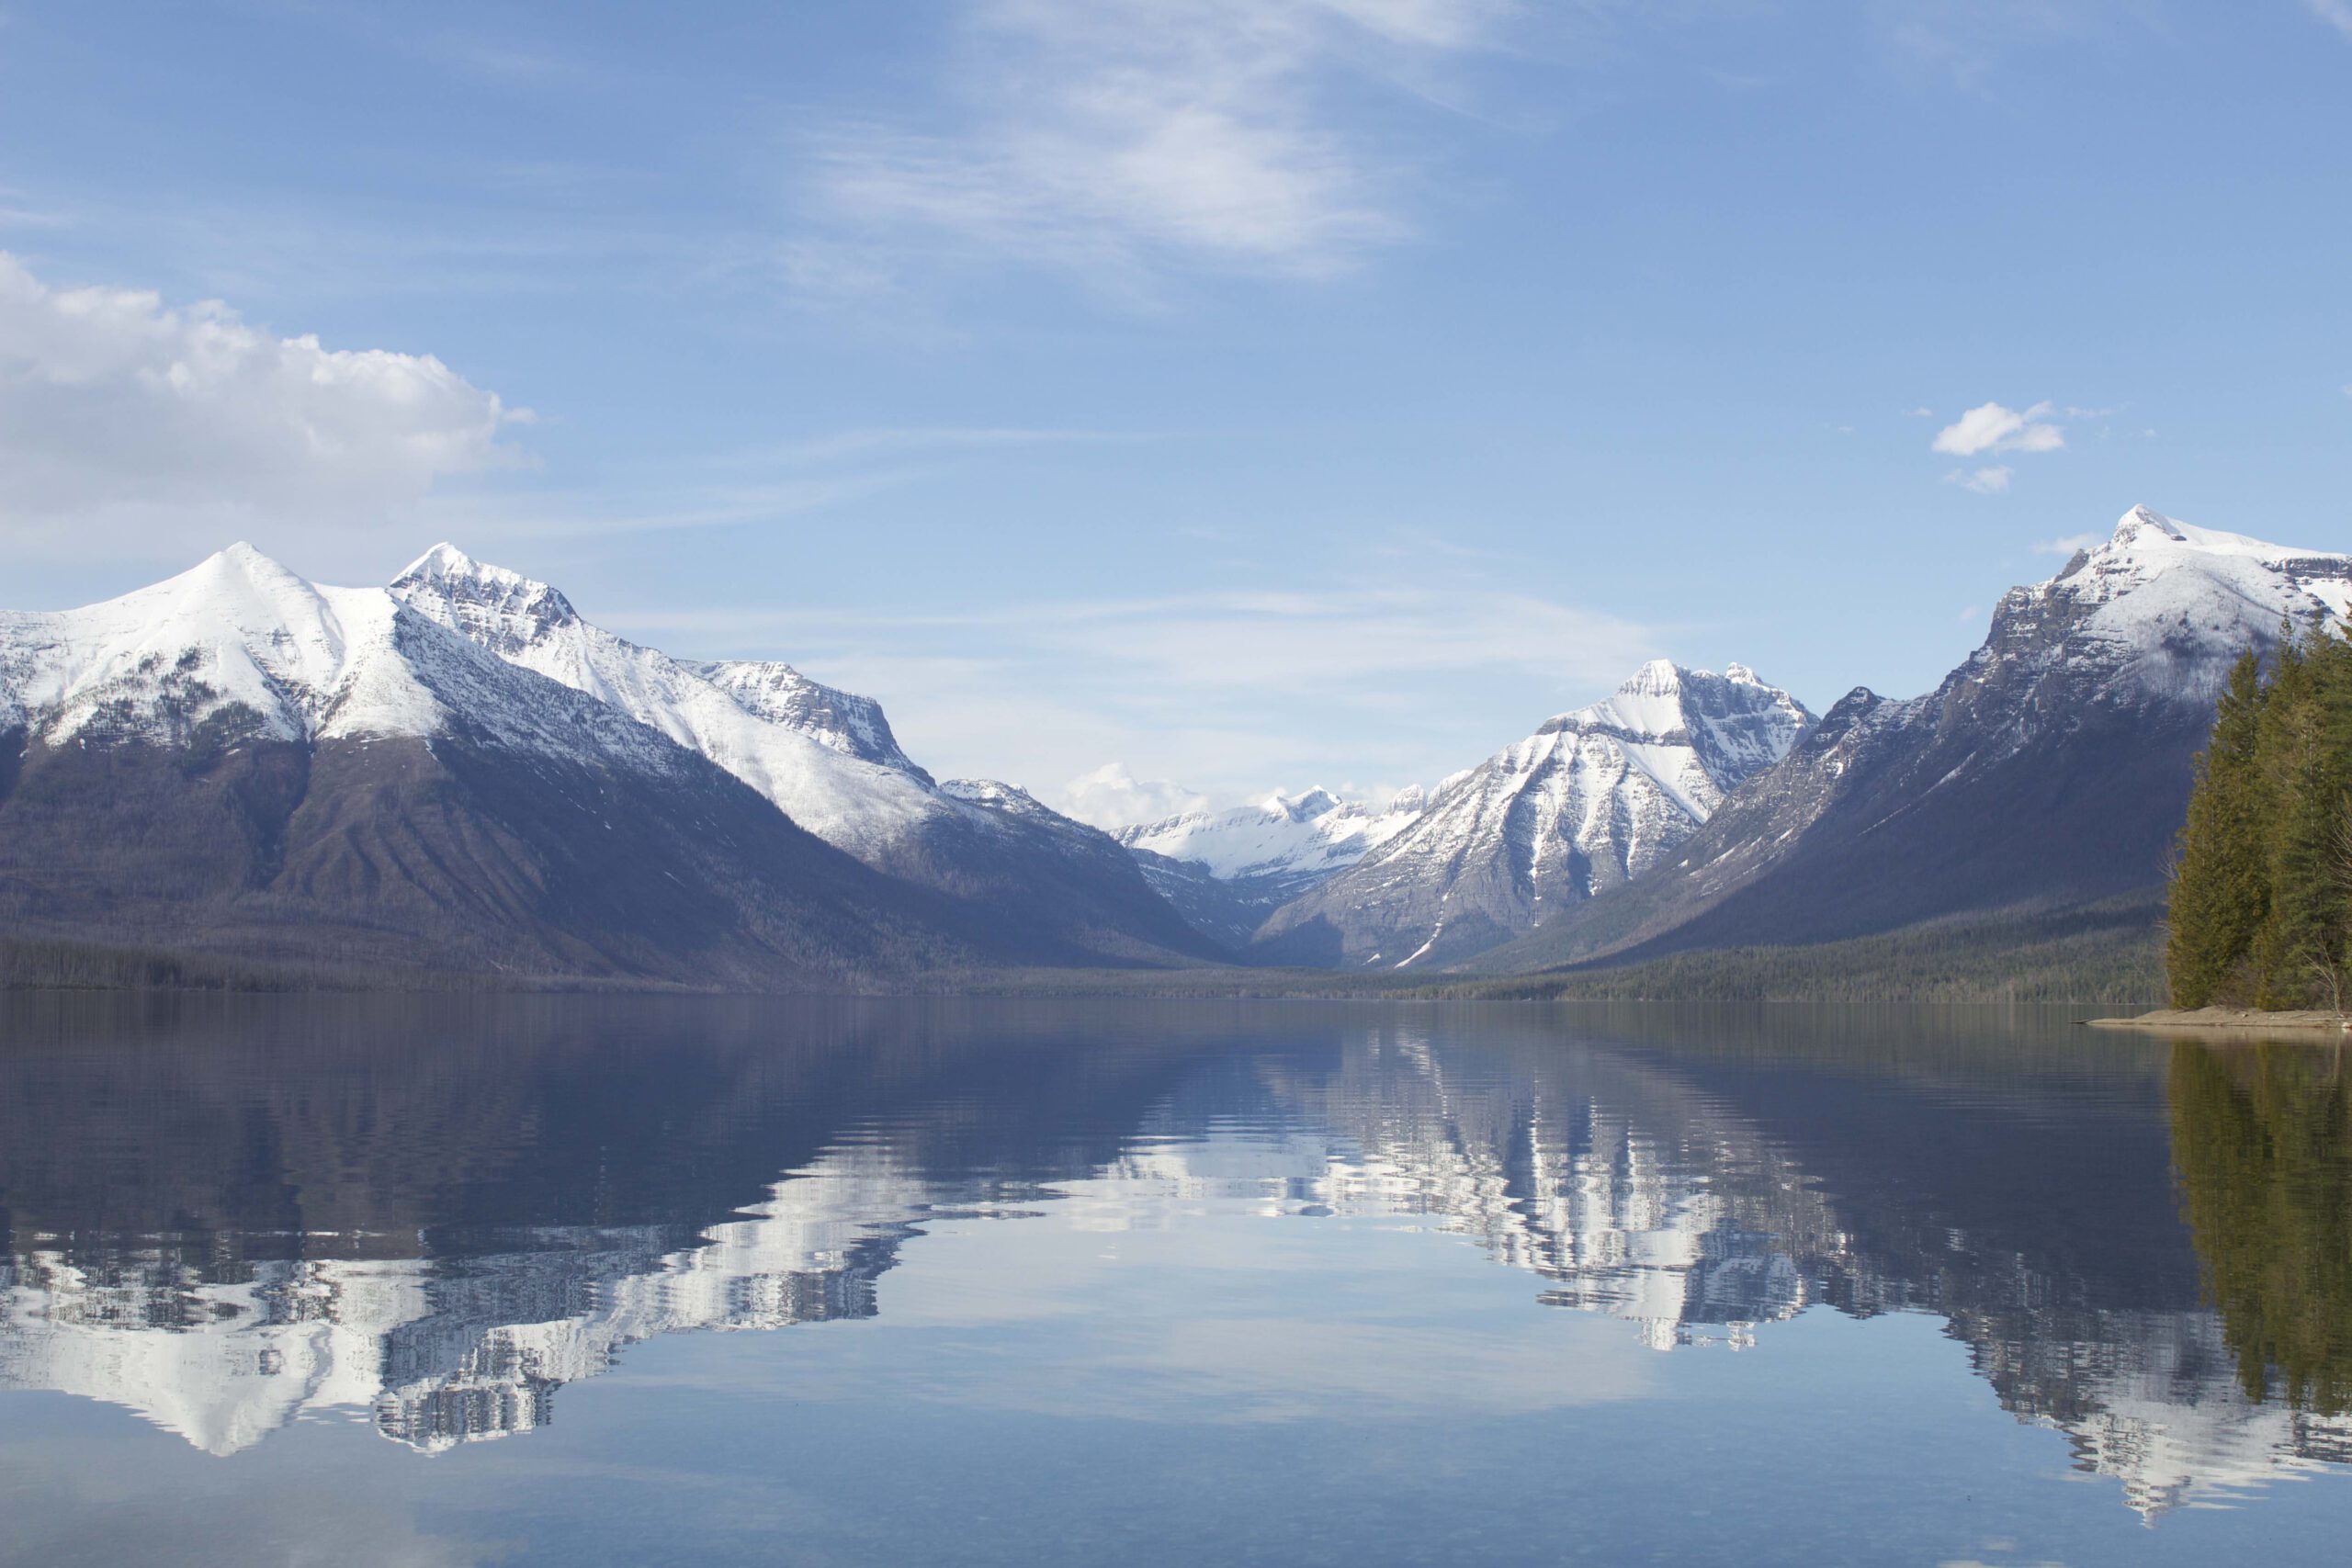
[{"x": 2261, "y": 894}]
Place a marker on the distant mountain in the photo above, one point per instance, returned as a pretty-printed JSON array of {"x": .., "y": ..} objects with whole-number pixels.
[
  {"x": 1039, "y": 887},
  {"x": 1591, "y": 800},
  {"x": 237, "y": 760},
  {"x": 2051, "y": 769},
  {"x": 1228, "y": 870}
]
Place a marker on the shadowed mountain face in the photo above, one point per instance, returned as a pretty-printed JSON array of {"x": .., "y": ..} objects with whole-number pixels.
[
  {"x": 443, "y": 854},
  {"x": 2051, "y": 770},
  {"x": 438, "y": 1213}
]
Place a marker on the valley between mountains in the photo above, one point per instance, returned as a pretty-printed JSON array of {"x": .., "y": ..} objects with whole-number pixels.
[{"x": 457, "y": 778}]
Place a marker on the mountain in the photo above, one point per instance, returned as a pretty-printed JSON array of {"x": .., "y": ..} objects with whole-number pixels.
[
  {"x": 1034, "y": 887},
  {"x": 1226, "y": 871},
  {"x": 1591, "y": 800},
  {"x": 238, "y": 760},
  {"x": 2051, "y": 769}
]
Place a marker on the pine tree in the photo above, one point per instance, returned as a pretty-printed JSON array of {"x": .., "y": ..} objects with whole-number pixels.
[
  {"x": 2261, "y": 905},
  {"x": 2221, "y": 885}
]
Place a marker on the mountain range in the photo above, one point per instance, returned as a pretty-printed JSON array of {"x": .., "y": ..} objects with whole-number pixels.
[{"x": 459, "y": 773}]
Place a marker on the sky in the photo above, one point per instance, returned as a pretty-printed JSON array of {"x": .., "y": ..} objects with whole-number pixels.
[{"x": 1194, "y": 397}]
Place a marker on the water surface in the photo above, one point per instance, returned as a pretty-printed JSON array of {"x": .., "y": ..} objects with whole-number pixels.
[{"x": 540, "y": 1281}]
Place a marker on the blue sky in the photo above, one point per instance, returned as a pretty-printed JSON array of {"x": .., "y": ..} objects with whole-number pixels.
[{"x": 1252, "y": 394}]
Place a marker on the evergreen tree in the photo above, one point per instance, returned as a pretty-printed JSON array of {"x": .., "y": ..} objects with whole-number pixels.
[
  {"x": 2221, "y": 885},
  {"x": 2261, "y": 902}
]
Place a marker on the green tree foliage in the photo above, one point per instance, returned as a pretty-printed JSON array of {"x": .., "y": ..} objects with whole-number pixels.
[
  {"x": 2261, "y": 900},
  {"x": 2262, "y": 1136}
]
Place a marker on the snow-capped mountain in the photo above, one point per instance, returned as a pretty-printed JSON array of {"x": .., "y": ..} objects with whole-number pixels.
[
  {"x": 1039, "y": 885},
  {"x": 532, "y": 625},
  {"x": 766, "y": 725},
  {"x": 240, "y": 761},
  {"x": 2051, "y": 768},
  {"x": 461, "y": 773},
  {"x": 1591, "y": 800},
  {"x": 1228, "y": 870},
  {"x": 1286, "y": 838}
]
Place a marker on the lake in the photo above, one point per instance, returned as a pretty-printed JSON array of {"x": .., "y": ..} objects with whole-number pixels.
[{"x": 370, "y": 1280}]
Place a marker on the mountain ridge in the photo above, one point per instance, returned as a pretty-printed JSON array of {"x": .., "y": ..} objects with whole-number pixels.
[
  {"x": 1591, "y": 799},
  {"x": 2050, "y": 768}
]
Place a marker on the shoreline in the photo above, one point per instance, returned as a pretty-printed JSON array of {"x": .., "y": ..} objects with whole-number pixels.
[{"x": 2235, "y": 1020}]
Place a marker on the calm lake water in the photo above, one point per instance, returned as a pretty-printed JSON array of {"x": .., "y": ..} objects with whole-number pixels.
[{"x": 566, "y": 1281}]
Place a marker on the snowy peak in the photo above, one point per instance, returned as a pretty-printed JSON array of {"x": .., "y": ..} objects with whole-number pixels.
[
  {"x": 1658, "y": 678},
  {"x": 2156, "y": 611},
  {"x": 238, "y": 644},
  {"x": 1732, "y": 724},
  {"x": 1592, "y": 800},
  {"x": 2148, "y": 534},
  {"x": 1303, "y": 807},
  {"x": 503, "y": 611},
  {"x": 1290, "y": 841}
]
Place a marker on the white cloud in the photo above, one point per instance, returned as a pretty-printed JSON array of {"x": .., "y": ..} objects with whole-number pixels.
[
  {"x": 2337, "y": 13},
  {"x": 2068, "y": 544},
  {"x": 127, "y": 425},
  {"x": 1990, "y": 480},
  {"x": 1991, "y": 427},
  {"x": 1110, "y": 796},
  {"x": 1112, "y": 136}
]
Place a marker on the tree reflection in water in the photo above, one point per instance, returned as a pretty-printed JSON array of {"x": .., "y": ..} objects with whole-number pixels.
[{"x": 2262, "y": 1137}]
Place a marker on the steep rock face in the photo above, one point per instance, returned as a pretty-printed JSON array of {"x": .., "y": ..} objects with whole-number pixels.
[
  {"x": 1037, "y": 886},
  {"x": 1592, "y": 800},
  {"x": 2051, "y": 768},
  {"x": 242, "y": 761}
]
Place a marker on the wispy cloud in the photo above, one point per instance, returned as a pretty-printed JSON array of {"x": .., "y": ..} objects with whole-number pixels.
[
  {"x": 2337, "y": 14},
  {"x": 1207, "y": 687},
  {"x": 899, "y": 440},
  {"x": 2068, "y": 544},
  {"x": 1259, "y": 638},
  {"x": 1966, "y": 39},
  {"x": 1992, "y": 479},
  {"x": 1114, "y": 137}
]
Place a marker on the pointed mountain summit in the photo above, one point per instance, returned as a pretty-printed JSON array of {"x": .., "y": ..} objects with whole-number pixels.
[
  {"x": 1592, "y": 800},
  {"x": 2050, "y": 770}
]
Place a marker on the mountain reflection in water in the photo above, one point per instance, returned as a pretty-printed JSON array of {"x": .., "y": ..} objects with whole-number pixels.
[{"x": 227, "y": 1215}]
